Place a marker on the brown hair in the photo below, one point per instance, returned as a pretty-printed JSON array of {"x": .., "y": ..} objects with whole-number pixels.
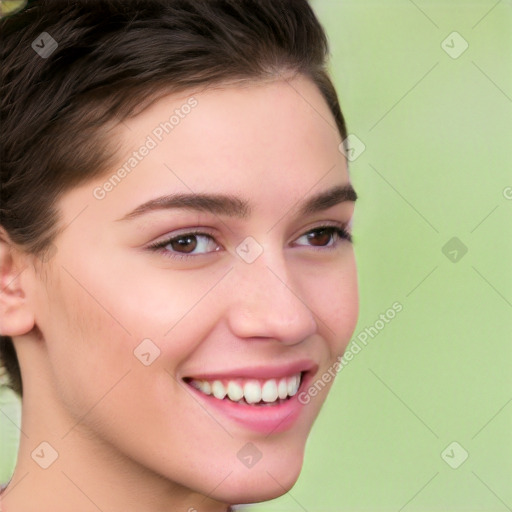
[{"x": 112, "y": 59}]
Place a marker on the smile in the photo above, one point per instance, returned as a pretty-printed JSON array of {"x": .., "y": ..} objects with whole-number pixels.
[
  {"x": 261, "y": 399},
  {"x": 250, "y": 391}
]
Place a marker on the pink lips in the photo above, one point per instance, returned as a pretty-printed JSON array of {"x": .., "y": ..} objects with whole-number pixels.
[
  {"x": 260, "y": 372},
  {"x": 267, "y": 419}
]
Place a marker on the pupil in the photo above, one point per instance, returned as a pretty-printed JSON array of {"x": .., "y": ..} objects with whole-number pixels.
[{"x": 185, "y": 244}]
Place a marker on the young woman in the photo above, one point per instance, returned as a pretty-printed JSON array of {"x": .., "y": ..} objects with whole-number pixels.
[{"x": 176, "y": 268}]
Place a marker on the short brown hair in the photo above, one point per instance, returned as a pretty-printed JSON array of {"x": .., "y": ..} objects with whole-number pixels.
[{"x": 113, "y": 58}]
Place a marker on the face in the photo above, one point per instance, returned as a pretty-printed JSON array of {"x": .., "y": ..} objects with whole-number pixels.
[{"x": 236, "y": 277}]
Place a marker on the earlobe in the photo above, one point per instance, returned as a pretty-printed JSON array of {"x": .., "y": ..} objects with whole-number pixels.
[{"x": 16, "y": 317}]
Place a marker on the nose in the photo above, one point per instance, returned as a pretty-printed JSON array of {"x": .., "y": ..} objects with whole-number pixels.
[{"x": 267, "y": 302}]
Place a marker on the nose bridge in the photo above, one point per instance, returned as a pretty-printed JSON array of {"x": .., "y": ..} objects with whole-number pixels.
[{"x": 267, "y": 302}]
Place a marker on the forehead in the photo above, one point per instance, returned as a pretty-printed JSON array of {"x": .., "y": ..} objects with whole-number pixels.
[{"x": 267, "y": 141}]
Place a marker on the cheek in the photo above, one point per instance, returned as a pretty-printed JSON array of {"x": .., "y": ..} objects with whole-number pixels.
[
  {"x": 93, "y": 322},
  {"x": 86, "y": 347},
  {"x": 335, "y": 299}
]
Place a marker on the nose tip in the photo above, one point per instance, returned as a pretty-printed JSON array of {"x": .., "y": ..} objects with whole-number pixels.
[{"x": 268, "y": 306}]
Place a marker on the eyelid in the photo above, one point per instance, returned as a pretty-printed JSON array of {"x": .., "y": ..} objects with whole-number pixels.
[
  {"x": 183, "y": 232},
  {"x": 167, "y": 239},
  {"x": 328, "y": 224},
  {"x": 342, "y": 229}
]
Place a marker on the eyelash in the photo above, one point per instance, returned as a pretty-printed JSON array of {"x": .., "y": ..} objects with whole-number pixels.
[{"x": 159, "y": 247}]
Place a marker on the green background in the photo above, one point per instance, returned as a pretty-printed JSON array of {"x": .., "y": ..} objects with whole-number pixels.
[{"x": 437, "y": 132}]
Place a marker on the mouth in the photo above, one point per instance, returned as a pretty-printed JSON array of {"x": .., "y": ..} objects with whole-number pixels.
[
  {"x": 259, "y": 399},
  {"x": 248, "y": 391}
]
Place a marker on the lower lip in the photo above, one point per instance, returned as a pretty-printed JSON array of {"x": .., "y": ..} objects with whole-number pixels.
[{"x": 269, "y": 419}]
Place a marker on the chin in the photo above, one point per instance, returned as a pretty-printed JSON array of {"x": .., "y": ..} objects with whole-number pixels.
[{"x": 261, "y": 484}]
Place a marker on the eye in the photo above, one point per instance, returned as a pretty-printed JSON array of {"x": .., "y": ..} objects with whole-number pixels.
[
  {"x": 195, "y": 243},
  {"x": 325, "y": 236},
  {"x": 185, "y": 245}
]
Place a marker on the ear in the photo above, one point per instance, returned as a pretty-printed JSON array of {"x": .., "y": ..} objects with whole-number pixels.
[{"x": 16, "y": 317}]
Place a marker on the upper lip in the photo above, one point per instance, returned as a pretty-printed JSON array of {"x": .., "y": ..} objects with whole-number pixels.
[{"x": 259, "y": 371}]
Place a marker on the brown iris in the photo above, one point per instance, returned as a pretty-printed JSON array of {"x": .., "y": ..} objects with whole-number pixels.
[
  {"x": 184, "y": 244},
  {"x": 320, "y": 235}
]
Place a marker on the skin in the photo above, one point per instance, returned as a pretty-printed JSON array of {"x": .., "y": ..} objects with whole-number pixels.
[{"x": 130, "y": 436}]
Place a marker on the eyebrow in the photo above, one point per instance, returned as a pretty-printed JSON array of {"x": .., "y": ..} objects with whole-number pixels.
[{"x": 232, "y": 206}]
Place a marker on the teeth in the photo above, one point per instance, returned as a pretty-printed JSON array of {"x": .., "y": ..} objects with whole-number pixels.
[
  {"x": 235, "y": 391},
  {"x": 218, "y": 389},
  {"x": 252, "y": 390},
  {"x": 293, "y": 385},
  {"x": 282, "y": 389},
  {"x": 269, "y": 391},
  {"x": 205, "y": 387}
]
